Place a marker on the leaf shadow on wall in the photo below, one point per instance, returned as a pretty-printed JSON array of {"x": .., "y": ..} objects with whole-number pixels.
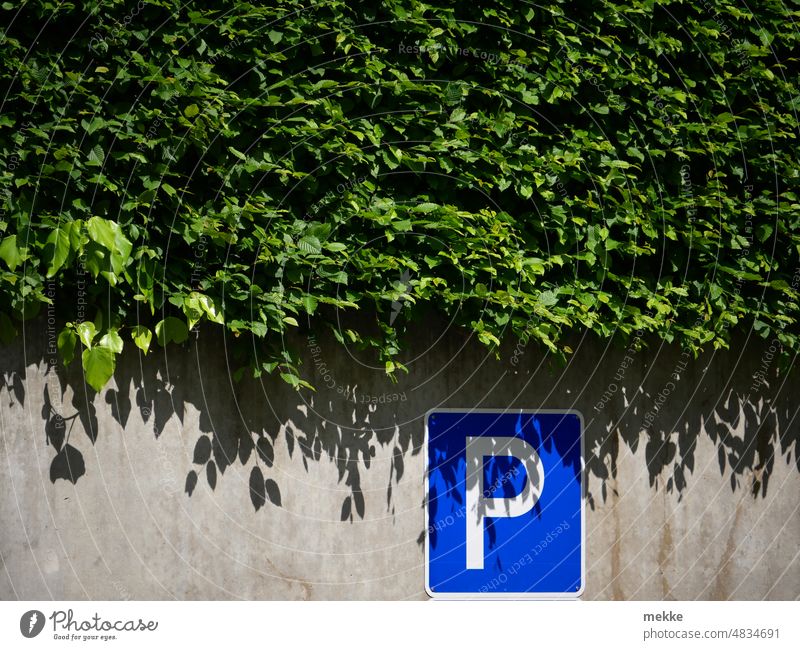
[{"x": 719, "y": 396}]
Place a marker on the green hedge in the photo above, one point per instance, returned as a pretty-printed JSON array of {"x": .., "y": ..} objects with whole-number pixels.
[{"x": 526, "y": 169}]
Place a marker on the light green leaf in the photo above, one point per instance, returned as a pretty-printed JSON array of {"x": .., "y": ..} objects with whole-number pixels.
[
  {"x": 98, "y": 366},
  {"x": 142, "y": 337},
  {"x": 210, "y": 308},
  {"x": 425, "y": 207},
  {"x": 295, "y": 381},
  {"x": 102, "y": 231},
  {"x": 548, "y": 298},
  {"x": 96, "y": 156},
  {"x": 310, "y": 304},
  {"x": 9, "y": 252},
  {"x": 86, "y": 332},
  {"x": 113, "y": 341}
]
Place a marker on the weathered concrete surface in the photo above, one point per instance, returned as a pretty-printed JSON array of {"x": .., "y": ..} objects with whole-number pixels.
[{"x": 703, "y": 504}]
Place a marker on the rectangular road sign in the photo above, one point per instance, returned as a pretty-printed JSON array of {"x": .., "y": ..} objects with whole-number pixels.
[{"x": 504, "y": 504}]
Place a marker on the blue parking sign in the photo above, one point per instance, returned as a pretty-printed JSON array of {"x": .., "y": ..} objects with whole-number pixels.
[{"x": 504, "y": 504}]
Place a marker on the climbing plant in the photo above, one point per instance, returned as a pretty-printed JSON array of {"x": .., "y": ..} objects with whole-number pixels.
[{"x": 526, "y": 169}]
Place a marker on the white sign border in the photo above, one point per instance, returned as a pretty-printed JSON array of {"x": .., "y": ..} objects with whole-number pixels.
[{"x": 525, "y": 595}]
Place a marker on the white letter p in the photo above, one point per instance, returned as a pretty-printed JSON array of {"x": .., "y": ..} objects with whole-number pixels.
[{"x": 479, "y": 506}]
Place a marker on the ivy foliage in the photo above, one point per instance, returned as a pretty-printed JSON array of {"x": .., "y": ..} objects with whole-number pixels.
[{"x": 527, "y": 169}]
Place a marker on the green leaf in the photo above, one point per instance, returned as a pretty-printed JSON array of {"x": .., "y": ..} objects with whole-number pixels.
[
  {"x": 764, "y": 231},
  {"x": 258, "y": 328},
  {"x": 96, "y": 156},
  {"x": 67, "y": 340},
  {"x": 211, "y": 309},
  {"x": 98, "y": 366},
  {"x": 548, "y": 298},
  {"x": 142, "y": 337},
  {"x": 312, "y": 214},
  {"x": 310, "y": 304},
  {"x": 113, "y": 341},
  {"x": 102, "y": 231},
  {"x": 57, "y": 248},
  {"x": 171, "y": 329},
  {"x": 310, "y": 245},
  {"x": 109, "y": 235},
  {"x": 294, "y": 381},
  {"x": 86, "y": 333},
  {"x": 9, "y": 252},
  {"x": 425, "y": 207}
]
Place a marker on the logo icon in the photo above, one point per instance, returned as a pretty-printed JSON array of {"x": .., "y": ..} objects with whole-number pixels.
[{"x": 31, "y": 623}]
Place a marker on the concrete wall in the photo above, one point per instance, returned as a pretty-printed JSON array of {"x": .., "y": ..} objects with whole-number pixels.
[{"x": 703, "y": 503}]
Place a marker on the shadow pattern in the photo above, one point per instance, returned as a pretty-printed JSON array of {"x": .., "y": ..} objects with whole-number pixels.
[{"x": 741, "y": 404}]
